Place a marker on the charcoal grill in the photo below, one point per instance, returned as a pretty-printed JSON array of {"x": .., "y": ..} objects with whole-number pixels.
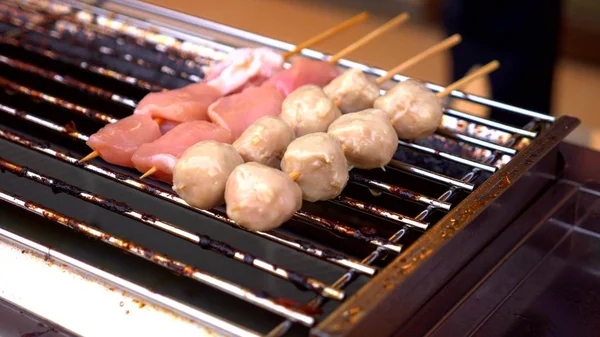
[{"x": 91, "y": 250}]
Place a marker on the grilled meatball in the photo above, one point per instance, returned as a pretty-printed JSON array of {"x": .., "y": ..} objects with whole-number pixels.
[
  {"x": 265, "y": 141},
  {"x": 415, "y": 111},
  {"x": 367, "y": 137},
  {"x": 200, "y": 174},
  {"x": 354, "y": 90},
  {"x": 318, "y": 160},
  {"x": 309, "y": 110},
  {"x": 261, "y": 198}
]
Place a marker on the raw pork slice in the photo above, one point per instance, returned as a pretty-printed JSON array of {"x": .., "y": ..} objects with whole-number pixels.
[
  {"x": 164, "y": 152},
  {"x": 303, "y": 72},
  {"x": 243, "y": 68},
  {"x": 179, "y": 105},
  {"x": 117, "y": 142},
  {"x": 237, "y": 112}
]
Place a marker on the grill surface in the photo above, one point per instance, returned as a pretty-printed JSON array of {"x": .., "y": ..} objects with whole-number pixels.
[{"x": 66, "y": 72}]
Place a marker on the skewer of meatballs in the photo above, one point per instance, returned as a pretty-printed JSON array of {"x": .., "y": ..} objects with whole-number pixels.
[
  {"x": 158, "y": 113},
  {"x": 235, "y": 113},
  {"x": 315, "y": 166}
]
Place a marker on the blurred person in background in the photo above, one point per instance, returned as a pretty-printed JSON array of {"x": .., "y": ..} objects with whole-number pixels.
[{"x": 522, "y": 35}]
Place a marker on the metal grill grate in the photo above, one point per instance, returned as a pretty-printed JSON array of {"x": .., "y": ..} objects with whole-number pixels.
[{"x": 66, "y": 74}]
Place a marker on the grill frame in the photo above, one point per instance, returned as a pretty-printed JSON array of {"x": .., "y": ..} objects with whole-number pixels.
[{"x": 340, "y": 322}]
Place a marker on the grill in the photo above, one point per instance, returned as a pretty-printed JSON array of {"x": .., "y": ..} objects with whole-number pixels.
[{"x": 361, "y": 264}]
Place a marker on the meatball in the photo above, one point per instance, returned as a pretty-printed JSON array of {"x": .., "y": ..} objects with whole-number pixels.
[
  {"x": 260, "y": 198},
  {"x": 265, "y": 141},
  {"x": 309, "y": 110},
  {"x": 415, "y": 111},
  {"x": 200, "y": 175},
  {"x": 367, "y": 137},
  {"x": 354, "y": 91},
  {"x": 317, "y": 161}
]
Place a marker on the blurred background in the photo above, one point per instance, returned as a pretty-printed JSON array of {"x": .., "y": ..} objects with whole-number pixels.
[{"x": 576, "y": 86}]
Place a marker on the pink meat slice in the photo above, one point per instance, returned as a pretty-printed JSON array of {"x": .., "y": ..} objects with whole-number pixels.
[
  {"x": 237, "y": 112},
  {"x": 164, "y": 152},
  {"x": 303, "y": 72},
  {"x": 243, "y": 68},
  {"x": 117, "y": 142},
  {"x": 179, "y": 105}
]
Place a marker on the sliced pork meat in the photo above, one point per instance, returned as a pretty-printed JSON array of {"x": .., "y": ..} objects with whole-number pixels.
[
  {"x": 243, "y": 68},
  {"x": 117, "y": 142},
  {"x": 237, "y": 112},
  {"x": 200, "y": 175},
  {"x": 163, "y": 153},
  {"x": 179, "y": 105},
  {"x": 259, "y": 197},
  {"x": 303, "y": 71}
]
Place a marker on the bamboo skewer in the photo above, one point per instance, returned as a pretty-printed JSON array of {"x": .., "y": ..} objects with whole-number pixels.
[
  {"x": 488, "y": 68},
  {"x": 399, "y": 19},
  {"x": 328, "y": 33},
  {"x": 439, "y": 47}
]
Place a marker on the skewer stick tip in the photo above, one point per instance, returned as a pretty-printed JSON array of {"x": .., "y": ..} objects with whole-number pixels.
[
  {"x": 148, "y": 173},
  {"x": 399, "y": 19},
  {"x": 326, "y": 34},
  {"x": 90, "y": 156},
  {"x": 486, "y": 69},
  {"x": 295, "y": 175}
]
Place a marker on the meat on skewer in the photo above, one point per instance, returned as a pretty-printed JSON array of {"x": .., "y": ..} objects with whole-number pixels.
[
  {"x": 309, "y": 110},
  {"x": 117, "y": 142},
  {"x": 415, "y": 111},
  {"x": 265, "y": 141},
  {"x": 260, "y": 197},
  {"x": 200, "y": 175},
  {"x": 368, "y": 138},
  {"x": 318, "y": 161},
  {"x": 160, "y": 156},
  {"x": 171, "y": 108}
]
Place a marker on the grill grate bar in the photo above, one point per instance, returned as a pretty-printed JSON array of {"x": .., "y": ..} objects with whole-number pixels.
[
  {"x": 475, "y": 141},
  {"x": 42, "y": 122},
  {"x": 85, "y": 65},
  {"x": 432, "y": 175},
  {"x": 205, "y": 242},
  {"x": 81, "y": 110},
  {"x": 68, "y": 81},
  {"x": 375, "y": 210},
  {"x": 400, "y": 191},
  {"x": 299, "y": 245},
  {"x": 173, "y": 265},
  {"x": 448, "y": 156},
  {"x": 490, "y": 123}
]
